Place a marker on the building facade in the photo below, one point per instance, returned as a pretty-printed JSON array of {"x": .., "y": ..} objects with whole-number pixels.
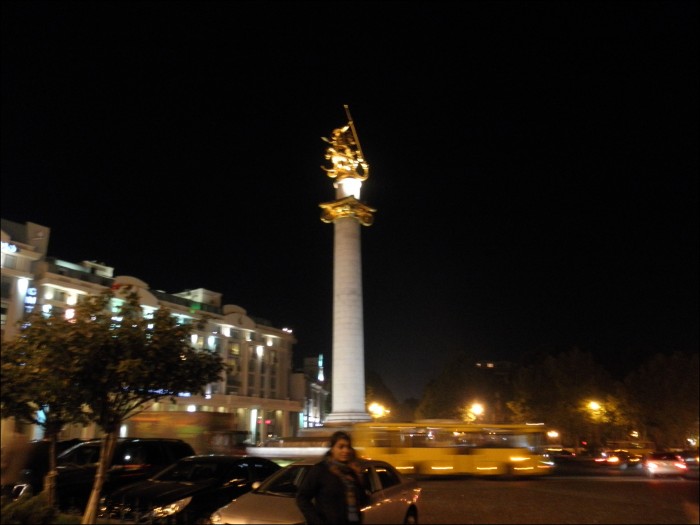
[{"x": 262, "y": 394}]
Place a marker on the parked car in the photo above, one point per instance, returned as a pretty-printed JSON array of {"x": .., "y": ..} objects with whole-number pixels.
[
  {"x": 659, "y": 464},
  {"x": 135, "y": 459},
  {"x": 394, "y": 497},
  {"x": 26, "y": 464},
  {"x": 188, "y": 491}
]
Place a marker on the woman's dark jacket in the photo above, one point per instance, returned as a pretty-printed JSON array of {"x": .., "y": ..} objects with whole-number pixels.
[{"x": 321, "y": 497}]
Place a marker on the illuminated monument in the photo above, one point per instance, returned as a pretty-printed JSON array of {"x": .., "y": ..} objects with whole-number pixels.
[{"x": 347, "y": 213}]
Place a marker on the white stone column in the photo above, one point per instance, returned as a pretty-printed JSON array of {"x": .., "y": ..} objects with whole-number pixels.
[{"x": 348, "y": 330}]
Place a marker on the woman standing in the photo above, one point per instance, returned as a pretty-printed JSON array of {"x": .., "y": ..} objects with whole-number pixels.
[{"x": 333, "y": 491}]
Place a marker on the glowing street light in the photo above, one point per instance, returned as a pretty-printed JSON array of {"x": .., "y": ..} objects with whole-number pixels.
[
  {"x": 596, "y": 414},
  {"x": 473, "y": 412},
  {"x": 376, "y": 410}
]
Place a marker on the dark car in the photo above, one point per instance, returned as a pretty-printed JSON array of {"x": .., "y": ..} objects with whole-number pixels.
[
  {"x": 621, "y": 459},
  {"x": 692, "y": 461},
  {"x": 134, "y": 459},
  {"x": 560, "y": 455},
  {"x": 691, "y": 458},
  {"x": 188, "y": 491},
  {"x": 26, "y": 464}
]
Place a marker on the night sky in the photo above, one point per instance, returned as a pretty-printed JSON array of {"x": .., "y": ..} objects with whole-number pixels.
[{"x": 534, "y": 164}]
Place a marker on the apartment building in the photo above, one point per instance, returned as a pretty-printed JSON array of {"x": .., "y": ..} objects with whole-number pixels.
[{"x": 262, "y": 394}]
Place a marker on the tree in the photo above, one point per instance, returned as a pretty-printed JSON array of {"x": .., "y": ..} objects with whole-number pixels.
[
  {"x": 460, "y": 384},
  {"x": 376, "y": 391},
  {"x": 664, "y": 392},
  {"x": 133, "y": 360},
  {"x": 121, "y": 360},
  {"x": 406, "y": 411},
  {"x": 556, "y": 390},
  {"x": 37, "y": 388}
]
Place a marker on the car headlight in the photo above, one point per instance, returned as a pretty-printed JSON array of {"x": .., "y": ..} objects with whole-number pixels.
[
  {"x": 170, "y": 509},
  {"x": 216, "y": 518}
]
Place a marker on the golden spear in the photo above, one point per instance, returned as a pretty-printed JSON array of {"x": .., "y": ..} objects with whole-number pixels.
[{"x": 357, "y": 139}]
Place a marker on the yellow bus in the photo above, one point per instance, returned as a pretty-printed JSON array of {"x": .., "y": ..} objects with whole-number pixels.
[{"x": 456, "y": 448}]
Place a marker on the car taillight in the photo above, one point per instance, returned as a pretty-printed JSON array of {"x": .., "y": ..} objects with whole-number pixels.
[{"x": 681, "y": 465}]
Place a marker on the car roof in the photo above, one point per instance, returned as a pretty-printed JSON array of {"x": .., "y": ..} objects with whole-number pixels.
[
  {"x": 121, "y": 441},
  {"x": 224, "y": 458},
  {"x": 127, "y": 439}
]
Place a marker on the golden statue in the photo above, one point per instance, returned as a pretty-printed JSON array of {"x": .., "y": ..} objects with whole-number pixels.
[
  {"x": 347, "y": 162},
  {"x": 345, "y": 153}
]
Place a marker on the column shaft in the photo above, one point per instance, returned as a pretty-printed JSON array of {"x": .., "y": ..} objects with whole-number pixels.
[{"x": 348, "y": 331}]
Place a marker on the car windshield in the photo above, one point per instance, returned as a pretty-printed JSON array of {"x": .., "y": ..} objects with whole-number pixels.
[
  {"x": 189, "y": 470},
  {"x": 285, "y": 482},
  {"x": 81, "y": 455}
]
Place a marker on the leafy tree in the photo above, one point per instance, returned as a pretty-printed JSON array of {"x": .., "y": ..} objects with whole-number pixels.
[
  {"x": 37, "y": 382},
  {"x": 131, "y": 361},
  {"x": 122, "y": 360},
  {"x": 664, "y": 393},
  {"x": 459, "y": 384},
  {"x": 376, "y": 391},
  {"x": 557, "y": 389},
  {"x": 406, "y": 411}
]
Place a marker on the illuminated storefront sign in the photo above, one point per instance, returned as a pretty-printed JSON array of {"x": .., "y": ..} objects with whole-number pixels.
[{"x": 30, "y": 299}]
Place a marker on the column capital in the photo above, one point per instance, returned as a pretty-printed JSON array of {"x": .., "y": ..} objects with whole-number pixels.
[{"x": 347, "y": 207}]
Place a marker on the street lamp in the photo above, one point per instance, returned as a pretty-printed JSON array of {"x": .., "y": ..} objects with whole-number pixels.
[
  {"x": 376, "y": 410},
  {"x": 594, "y": 406},
  {"x": 473, "y": 412},
  {"x": 596, "y": 414}
]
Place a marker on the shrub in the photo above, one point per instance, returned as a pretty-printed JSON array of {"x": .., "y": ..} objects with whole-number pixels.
[{"x": 28, "y": 510}]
